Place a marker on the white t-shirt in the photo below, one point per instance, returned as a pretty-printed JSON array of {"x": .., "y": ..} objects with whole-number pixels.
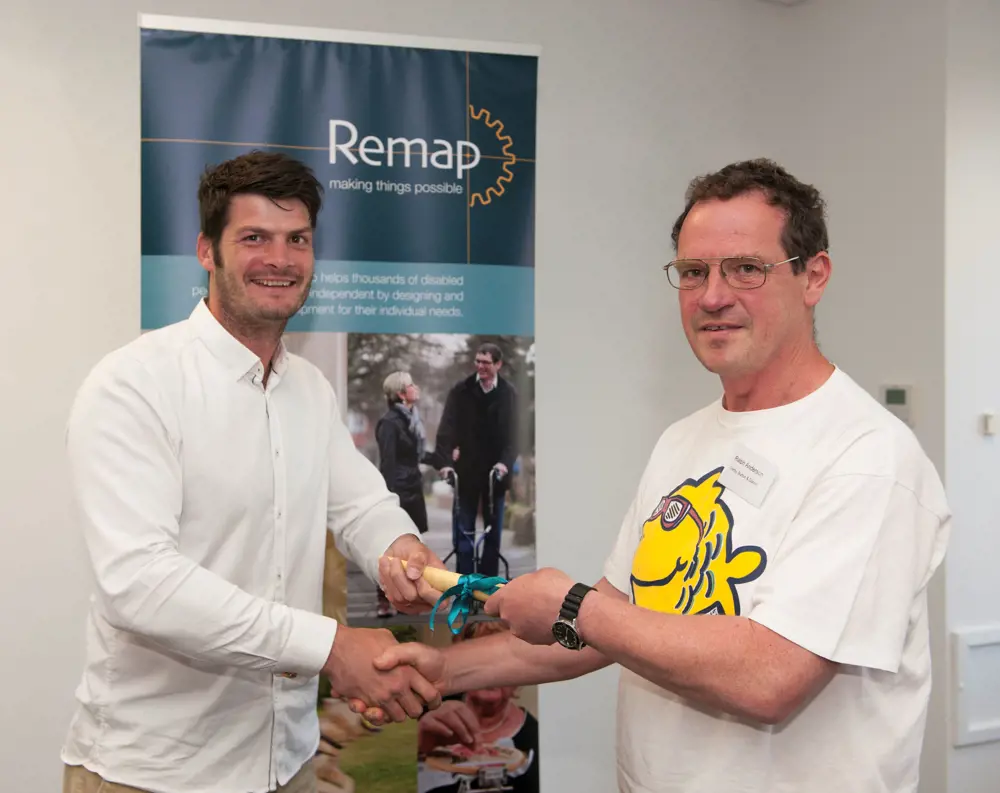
[{"x": 852, "y": 522}]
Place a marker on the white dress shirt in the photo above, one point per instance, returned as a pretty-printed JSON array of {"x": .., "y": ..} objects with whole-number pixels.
[{"x": 204, "y": 498}]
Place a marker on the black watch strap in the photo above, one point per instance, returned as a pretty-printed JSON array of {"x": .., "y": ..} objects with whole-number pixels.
[{"x": 571, "y": 605}]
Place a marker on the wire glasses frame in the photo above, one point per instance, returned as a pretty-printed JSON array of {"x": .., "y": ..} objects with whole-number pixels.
[{"x": 740, "y": 272}]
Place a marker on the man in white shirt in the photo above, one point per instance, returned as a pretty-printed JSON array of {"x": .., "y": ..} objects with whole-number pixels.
[
  {"x": 208, "y": 463},
  {"x": 766, "y": 595}
]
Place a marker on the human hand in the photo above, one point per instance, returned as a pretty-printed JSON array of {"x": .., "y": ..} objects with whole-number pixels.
[
  {"x": 530, "y": 604},
  {"x": 404, "y": 586},
  {"x": 453, "y": 722},
  {"x": 428, "y": 661},
  {"x": 501, "y": 469},
  {"x": 455, "y": 454},
  {"x": 395, "y": 692}
]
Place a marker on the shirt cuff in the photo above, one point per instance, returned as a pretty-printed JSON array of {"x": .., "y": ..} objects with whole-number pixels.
[{"x": 308, "y": 645}]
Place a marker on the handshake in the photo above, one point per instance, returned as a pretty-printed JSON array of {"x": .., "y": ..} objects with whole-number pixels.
[
  {"x": 386, "y": 680},
  {"x": 369, "y": 668},
  {"x": 382, "y": 679}
]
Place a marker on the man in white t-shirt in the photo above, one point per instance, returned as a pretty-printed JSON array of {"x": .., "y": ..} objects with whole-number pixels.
[{"x": 766, "y": 596}]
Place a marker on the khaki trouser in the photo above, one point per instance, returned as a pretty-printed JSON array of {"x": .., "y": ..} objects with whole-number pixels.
[{"x": 77, "y": 779}]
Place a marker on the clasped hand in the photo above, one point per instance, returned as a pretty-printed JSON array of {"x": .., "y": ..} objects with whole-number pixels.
[
  {"x": 395, "y": 693},
  {"x": 405, "y": 588}
]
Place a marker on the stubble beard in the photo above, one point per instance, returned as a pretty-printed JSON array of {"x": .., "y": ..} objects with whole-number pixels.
[{"x": 246, "y": 316}]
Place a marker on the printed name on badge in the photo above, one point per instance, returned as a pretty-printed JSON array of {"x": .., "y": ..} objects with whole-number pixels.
[{"x": 748, "y": 475}]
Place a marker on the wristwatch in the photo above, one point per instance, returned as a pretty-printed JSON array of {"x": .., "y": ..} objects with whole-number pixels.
[{"x": 564, "y": 628}]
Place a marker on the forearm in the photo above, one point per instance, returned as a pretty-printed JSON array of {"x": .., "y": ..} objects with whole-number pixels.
[
  {"x": 725, "y": 662},
  {"x": 180, "y": 606},
  {"x": 503, "y": 660}
]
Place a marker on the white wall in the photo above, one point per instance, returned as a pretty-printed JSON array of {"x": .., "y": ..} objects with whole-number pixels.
[
  {"x": 972, "y": 371},
  {"x": 633, "y": 103},
  {"x": 866, "y": 111}
]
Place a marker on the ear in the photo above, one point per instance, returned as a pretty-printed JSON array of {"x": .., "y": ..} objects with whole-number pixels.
[
  {"x": 817, "y": 273},
  {"x": 206, "y": 255}
]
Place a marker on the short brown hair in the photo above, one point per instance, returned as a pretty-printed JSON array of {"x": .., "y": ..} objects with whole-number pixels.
[
  {"x": 271, "y": 174},
  {"x": 490, "y": 349},
  {"x": 804, "y": 234}
]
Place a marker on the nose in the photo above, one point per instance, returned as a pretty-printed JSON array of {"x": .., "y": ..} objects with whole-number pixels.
[
  {"x": 278, "y": 253},
  {"x": 716, "y": 293}
]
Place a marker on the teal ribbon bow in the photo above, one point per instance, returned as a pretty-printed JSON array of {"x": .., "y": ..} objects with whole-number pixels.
[{"x": 464, "y": 599}]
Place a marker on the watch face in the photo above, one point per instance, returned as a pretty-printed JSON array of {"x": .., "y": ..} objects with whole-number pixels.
[{"x": 566, "y": 635}]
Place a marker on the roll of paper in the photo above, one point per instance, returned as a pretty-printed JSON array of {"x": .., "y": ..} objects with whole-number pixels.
[{"x": 443, "y": 580}]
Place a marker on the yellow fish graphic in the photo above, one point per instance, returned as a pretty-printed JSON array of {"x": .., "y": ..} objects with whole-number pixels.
[{"x": 685, "y": 562}]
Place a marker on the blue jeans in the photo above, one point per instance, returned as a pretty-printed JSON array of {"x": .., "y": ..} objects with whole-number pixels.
[{"x": 464, "y": 533}]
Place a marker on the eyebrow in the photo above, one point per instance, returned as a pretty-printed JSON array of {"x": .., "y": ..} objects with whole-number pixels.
[
  {"x": 755, "y": 255},
  {"x": 260, "y": 230}
]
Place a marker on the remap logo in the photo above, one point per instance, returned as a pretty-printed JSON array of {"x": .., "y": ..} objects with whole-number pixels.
[{"x": 459, "y": 157}]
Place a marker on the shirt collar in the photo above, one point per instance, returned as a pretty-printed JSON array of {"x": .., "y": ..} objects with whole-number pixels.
[{"x": 230, "y": 351}]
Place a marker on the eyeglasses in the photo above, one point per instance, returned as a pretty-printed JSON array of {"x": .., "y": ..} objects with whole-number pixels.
[{"x": 740, "y": 272}]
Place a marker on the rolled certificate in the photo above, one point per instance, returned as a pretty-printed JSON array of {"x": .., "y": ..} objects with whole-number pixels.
[{"x": 443, "y": 580}]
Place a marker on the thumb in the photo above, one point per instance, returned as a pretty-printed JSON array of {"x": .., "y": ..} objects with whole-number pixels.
[
  {"x": 492, "y": 605},
  {"x": 415, "y": 565},
  {"x": 410, "y": 653}
]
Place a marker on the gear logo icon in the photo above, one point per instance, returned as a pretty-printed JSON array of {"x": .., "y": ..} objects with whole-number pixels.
[{"x": 507, "y": 157}]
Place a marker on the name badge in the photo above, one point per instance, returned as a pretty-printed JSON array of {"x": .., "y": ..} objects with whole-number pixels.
[{"x": 748, "y": 475}]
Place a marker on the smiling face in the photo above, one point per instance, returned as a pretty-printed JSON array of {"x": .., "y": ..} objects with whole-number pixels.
[
  {"x": 262, "y": 268},
  {"x": 741, "y": 332},
  {"x": 486, "y": 367}
]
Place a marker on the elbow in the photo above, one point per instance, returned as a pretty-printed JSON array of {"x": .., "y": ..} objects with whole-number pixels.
[
  {"x": 777, "y": 697},
  {"x": 772, "y": 710},
  {"x": 123, "y": 592},
  {"x": 130, "y": 584},
  {"x": 774, "y": 705},
  {"x": 117, "y": 609}
]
